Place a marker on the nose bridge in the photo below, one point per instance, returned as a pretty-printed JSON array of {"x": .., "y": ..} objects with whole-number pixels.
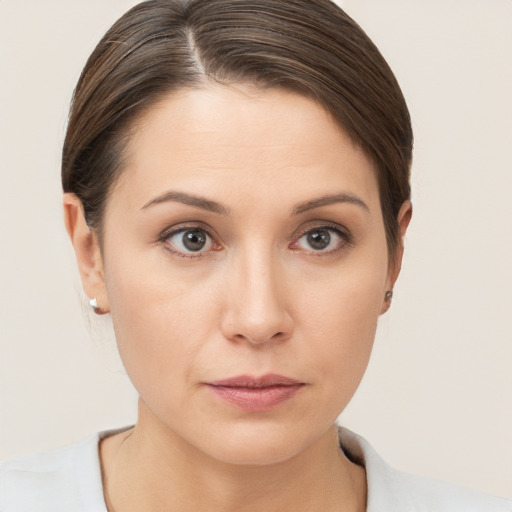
[{"x": 257, "y": 309}]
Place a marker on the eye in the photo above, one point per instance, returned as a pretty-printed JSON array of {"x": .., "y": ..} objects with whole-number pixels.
[
  {"x": 322, "y": 239},
  {"x": 189, "y": 240}
]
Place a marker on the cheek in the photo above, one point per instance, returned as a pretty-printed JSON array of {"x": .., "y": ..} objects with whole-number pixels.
[
  {"x": 343, "y": 320},
  {"x": 161, "y": 319}
]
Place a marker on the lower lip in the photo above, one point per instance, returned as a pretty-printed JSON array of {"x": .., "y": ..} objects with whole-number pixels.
[{"x": 256, "y": 399}]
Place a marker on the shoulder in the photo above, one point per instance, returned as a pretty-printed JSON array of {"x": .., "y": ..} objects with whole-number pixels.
[
  {"x": 63, "y": 479},
  {"x": 390, "y": 490},
  {"x": 413, "y": 493}
]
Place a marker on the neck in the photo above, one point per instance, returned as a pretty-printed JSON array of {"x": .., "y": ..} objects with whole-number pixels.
[{"x": 151, "y": 468}]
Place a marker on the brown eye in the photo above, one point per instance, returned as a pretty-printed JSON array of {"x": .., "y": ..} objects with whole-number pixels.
[
  {"x": 319, "y": 239},
  {"x": 189, "y": 240},
  {"x": 322, "y": 239},
  {"x": 194, "y": 240}
]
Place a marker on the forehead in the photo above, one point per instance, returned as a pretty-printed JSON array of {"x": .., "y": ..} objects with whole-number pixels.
[{"x": 220, "y": 138}]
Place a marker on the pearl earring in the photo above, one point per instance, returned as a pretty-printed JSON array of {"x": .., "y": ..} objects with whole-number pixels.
[{"x": 94, "y": 305}]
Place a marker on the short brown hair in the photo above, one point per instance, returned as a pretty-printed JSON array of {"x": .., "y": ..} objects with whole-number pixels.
[{"x": 308, "y": 46}]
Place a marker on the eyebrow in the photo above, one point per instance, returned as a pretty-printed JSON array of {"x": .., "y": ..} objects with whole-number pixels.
[
  {"x": 328, "y": 200},
  {"x": 213, "y": 206},
  {"x": 191, "y": 200}
]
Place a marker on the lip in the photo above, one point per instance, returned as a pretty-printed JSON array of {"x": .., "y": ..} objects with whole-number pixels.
[{"x": 256, "y": 393}]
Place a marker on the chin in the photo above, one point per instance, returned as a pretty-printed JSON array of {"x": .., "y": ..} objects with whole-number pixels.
[
  {"x": 254, "y": 453},
  {"x": 257, "y": 445}
]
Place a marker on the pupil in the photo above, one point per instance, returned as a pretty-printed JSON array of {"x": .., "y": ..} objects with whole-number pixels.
[
  {"x": 194, "y": 240},
  {"x": 319, "y": 239}
]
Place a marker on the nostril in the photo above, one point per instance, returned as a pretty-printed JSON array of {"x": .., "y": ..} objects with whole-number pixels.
[
  {"x": 258, "y": 319},
  {"x": 259, "y": 339}
]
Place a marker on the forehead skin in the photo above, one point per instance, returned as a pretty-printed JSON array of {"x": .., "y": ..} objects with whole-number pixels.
[{"x": 204, "y": 135}]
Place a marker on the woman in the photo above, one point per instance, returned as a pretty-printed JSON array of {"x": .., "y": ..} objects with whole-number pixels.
[{"x": 236, "y": 180}]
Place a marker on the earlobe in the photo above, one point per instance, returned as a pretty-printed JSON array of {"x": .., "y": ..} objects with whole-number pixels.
[
  {"x": 87, "y": 250},
  {"x": 388, "y": 297},
  {"x": 403, "y": 218}
]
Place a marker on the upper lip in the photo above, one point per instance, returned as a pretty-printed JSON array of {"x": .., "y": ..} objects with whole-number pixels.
[{"x": 248, "y": 381}]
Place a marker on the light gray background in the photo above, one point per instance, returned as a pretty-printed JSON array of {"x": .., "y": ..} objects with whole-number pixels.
[{"x": 437, "y": 398}]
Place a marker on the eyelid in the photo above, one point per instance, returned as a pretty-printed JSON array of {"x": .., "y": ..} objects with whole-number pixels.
[
  {"x": 341, "y": 231},
  {"x": 325, "y": 224},
  {"x": 179, "y": 228},
  {"x": 176, "y": 228}
]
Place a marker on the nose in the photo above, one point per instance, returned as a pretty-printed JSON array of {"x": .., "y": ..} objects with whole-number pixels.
[{"x": 256, "y": 303}]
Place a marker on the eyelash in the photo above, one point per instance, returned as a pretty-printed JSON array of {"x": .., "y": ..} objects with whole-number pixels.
[
  {"x": 182, "y": 229},
  {"x": 343, "y": 234}
]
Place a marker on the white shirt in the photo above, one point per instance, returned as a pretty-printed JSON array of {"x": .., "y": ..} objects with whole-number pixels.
[{"x": 69, "y": 480}]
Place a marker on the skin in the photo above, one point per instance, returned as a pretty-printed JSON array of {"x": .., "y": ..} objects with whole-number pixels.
[{"x": 258, "y": 299}]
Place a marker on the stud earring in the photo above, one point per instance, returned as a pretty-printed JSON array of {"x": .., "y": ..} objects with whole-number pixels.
[
  {"x": 389, "y": 295},
  {"x": 94, "y": 305}
]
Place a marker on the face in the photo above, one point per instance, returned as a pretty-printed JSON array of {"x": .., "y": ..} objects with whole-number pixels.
[{"x": 245, "y": 267}]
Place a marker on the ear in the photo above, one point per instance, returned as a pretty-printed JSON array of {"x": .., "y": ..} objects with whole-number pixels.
[
  {"x": 395, "y": 264},
  {"x": 87, "y": 252}
]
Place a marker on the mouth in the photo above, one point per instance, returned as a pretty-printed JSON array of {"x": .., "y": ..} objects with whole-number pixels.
[{"x": 256, "y": 393}]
